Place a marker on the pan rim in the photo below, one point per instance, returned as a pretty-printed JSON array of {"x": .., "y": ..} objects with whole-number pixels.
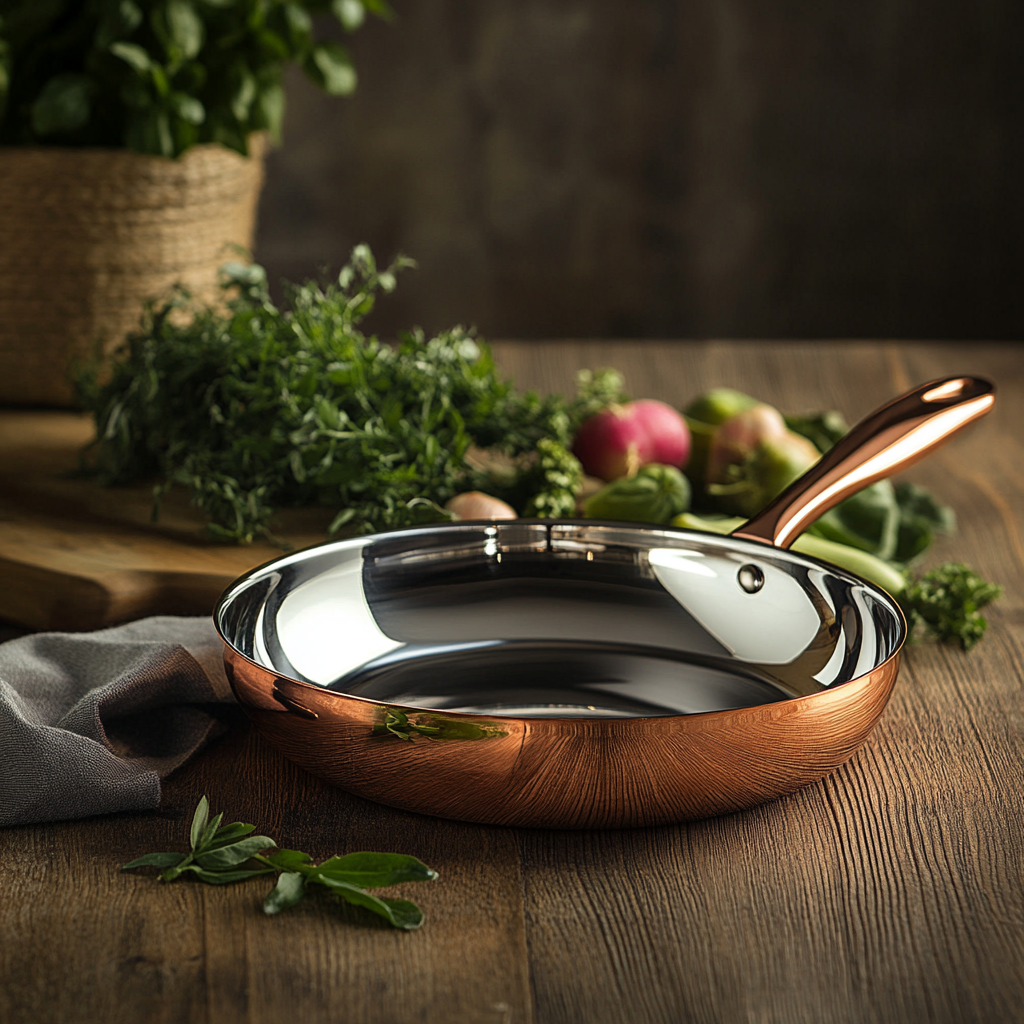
[{"x": 238, "y": 586}]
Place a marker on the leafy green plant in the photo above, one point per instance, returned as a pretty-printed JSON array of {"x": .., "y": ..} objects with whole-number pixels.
[
  {"x": 945, "y": 603},
  {"x": 260, "y": 408},
  {"x": 159, "y": 76},
  {"x": 222, "y": 854}
]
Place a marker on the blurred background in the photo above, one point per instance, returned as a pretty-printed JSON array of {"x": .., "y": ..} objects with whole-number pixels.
[{"x": 713, "y": 168}]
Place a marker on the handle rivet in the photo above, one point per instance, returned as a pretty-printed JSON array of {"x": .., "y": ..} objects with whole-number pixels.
[{"x": 750, "y": 578}]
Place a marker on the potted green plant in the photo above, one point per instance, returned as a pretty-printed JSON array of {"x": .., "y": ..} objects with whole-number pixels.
[{"x": 131, "y": 143}]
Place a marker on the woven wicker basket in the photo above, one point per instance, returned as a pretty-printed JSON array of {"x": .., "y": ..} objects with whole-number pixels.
[{"x": 87, "y": 235}]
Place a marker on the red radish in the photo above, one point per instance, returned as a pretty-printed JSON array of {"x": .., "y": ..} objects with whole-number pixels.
[
  {"x": 666, "y": 429},
  {"x": 622, "y": 438}
]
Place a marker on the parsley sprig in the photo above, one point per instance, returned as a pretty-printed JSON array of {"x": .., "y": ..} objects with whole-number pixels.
[{"x": 222, "y": 854}]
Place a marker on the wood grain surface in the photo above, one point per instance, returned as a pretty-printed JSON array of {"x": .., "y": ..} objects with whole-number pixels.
[
  {"x": 893, "y": 891},
  {"x": 75, "y": 555}
]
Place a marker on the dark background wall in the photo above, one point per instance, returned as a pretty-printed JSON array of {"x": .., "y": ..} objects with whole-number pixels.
[{"x": 743, "y": 168}]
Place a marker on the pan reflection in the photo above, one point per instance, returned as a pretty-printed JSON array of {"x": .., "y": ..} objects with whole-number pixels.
[{"x": 583, "y": 620}]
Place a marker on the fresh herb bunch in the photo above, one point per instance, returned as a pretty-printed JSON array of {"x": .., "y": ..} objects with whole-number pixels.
[
  {"x": 259, "y": 408},
  {"x": 159, "y": 76},
  {"x": 945, "y": 603},
  {"x": 219, "y": 855}
]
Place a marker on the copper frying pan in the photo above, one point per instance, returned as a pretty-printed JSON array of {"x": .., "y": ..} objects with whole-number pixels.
[{"x": 582, "y": 674}]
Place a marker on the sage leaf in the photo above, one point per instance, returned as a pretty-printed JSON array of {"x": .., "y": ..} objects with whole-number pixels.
[
  {"x": 155, "y": 860},
  {"x": 376, "y": 870},
  {"x": 230, "y": 834},
  {"x": 208, "y": 833},
  {"x": 199, "y": 822},
  {"x": 217, "y": 852},
  {"x": 401, "y": 913},
  {"x": 289, "y": 860},
  {"x": 290, "y": 889},
  {"x": 236, "y": 853}
]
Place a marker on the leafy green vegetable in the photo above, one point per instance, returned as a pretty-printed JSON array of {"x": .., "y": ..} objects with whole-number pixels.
[
  {"x": 261, "y": 408},
  {"x": 945, "y": 603},
  {"x": 217, "y": 852},
  {"x": 822, "y": 429},
  {"x": 654, "y": 494},
  {"x": 159, "y": 76}
]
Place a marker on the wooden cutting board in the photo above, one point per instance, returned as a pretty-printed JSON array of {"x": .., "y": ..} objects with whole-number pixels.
[{"x": 74, "y": 555}]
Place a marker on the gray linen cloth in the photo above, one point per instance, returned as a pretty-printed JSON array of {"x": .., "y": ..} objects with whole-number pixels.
[{"x": 90, "y": 722}]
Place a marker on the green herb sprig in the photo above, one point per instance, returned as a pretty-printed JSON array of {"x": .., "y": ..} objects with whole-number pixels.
[
  {"x": 945, "y": 603},
  {"x": 262, "y": 408},
  {"x": 219, "y": 855}
]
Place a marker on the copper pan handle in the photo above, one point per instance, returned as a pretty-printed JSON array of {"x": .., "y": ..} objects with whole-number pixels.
[{"x": 889, "y": 440}]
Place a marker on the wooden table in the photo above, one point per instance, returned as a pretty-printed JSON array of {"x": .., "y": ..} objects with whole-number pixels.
[{"x": 891, "y": 891}]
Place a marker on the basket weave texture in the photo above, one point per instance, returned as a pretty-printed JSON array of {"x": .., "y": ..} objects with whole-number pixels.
[{"x": 88, "y": 235}]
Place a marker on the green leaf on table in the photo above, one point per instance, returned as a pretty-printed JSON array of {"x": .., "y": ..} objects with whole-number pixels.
[
  {"x": 230, "y": 834},
  {"x": 217, "y": 852},
  {"x": 209, "y": 832},
  {"x": 199, "y": 822},
  {"x": 64, "y": 105},
  {"x": 289, "y": 891},
  {"x": 236, "y": 853},
  {"x": 376, "y": 870},
  {"x": 155, "y": 860},
  {"x": 289, "y": 860},
  {"x": 401, "y": 913}
]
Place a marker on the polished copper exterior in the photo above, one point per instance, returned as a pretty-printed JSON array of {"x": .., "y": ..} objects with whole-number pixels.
[
  {"x": 584, "y": 772},
  {"x": 561, "y": 773}
]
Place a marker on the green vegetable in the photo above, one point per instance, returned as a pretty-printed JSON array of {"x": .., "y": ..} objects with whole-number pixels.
[
  {"x": 654, "y": 495},
  {"x": 822, "y": 429},
  {"x": 159, "y": 76},
  {"x": 716, "y": 406},
  {"x": 754, "y": 457},
  {"x": 945, "y": 604},
  {"x": 219, "y": 854},
  {"x": 260, "y": 408},
  {"x": 869, "y": 519},
  {"x": 703, "y": 415}
]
